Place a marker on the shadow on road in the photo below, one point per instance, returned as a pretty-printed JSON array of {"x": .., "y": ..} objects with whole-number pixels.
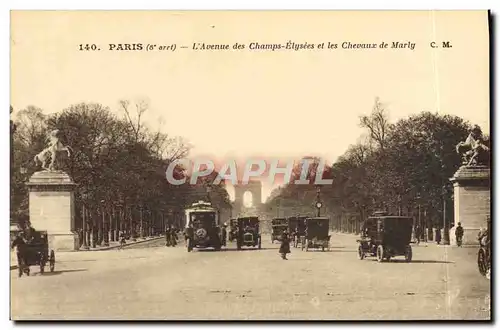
[
  {"x": 402, "y": 261},
  {"x": 234, "y": 249},
  {"x": 249, "y": 249},
  {"x": 336, "y": 250},
  {"x": 59, "y": 272}
]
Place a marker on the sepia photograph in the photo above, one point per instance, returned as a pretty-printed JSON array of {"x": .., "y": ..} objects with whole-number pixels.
[{"x": 250, "y": 165}]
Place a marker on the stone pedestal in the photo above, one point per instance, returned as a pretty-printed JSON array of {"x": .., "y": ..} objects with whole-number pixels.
[
  {"x": 52, "y": 208},
  {"x": 471, "y": 191}
]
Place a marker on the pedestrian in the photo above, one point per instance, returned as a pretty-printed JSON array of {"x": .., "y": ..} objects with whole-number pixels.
[
  {"x": 418, "y": 233},
  {"x": 296, "y": 236},
  {"x": 438, "y": 236},
  {"x": 19, "y": 243},
  {"x": 173, "y": 236},
  {"x": 285, "y": 245},
  {"x": 482, "y": 236},
  {"x": 122, "y": 239},
  {"x": 167, "y": 236},
  {"x": 224, "y": 234},
  {"x": 459, "y": 234}
]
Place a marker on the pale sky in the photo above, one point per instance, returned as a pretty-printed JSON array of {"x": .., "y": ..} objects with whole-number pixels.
[{"x": 255, "y": 103}]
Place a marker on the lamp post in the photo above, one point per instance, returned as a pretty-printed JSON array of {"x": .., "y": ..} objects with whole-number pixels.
[
  {"x": 84, "y": 245},
  {"x": 318, "y": 201},
  {"x": 151, "y": 222},
  {"x": 105, "y": 225},
  {"x": 169, "y": 220},
  {"x": 446, "y": 230},
  {"x": 420, "y": 230},
  {"x": 278, "y": 202},
  {"x": 208, "y": 190},
  {"x": 141, "y": 231},
  {"x": 119, "y": 220},
  {"x": 112, "y": 221},
  {"x": 131, "y": 212}
]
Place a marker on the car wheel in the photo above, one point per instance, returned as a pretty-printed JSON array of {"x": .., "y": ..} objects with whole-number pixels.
[
  {"x": 361, "y": 253},
  {"x": 380, "y": 253},
  {"x": 481, "y": 262},
  {"x": 408, "y": 253}
]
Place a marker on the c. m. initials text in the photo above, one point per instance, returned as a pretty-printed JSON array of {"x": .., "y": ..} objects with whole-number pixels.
[{"x": 444, "y": 44}]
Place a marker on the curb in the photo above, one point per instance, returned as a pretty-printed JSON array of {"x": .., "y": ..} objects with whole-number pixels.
[{"x": 107, "y": 248}]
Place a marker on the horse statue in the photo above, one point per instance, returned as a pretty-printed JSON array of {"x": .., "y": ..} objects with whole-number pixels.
[
  {"x": 54, "y": 146},
  {"x": 474, "y": 151}
]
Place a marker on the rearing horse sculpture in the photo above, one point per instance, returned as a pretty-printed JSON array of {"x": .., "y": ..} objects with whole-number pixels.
[
  {"x": 477, "y": 149},
  {"x": 54, "y": 147}
]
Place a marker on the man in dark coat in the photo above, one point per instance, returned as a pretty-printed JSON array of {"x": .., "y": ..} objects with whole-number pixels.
[
  {"x": 418, "y": 233},
  {"x": 173, "y": 236},
  {"x": 285, "y": 245},
  {"x": 459, "y": 234},
  {"x": 19, "y": 243},
  {"x": 438, "y": 236},
  {"x": 224, "y": 234},
  {"x": 168, "y": 237}
]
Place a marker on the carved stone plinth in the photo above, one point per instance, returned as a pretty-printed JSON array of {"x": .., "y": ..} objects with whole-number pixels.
[
  {"x": 472, "y": 201},
  {"x": 52, "y": 208}
]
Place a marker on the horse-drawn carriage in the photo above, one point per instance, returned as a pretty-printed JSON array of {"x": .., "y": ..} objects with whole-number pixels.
[
  {"x": 33, "y": 251},
  {"x": 386, "y": 236},
  {"x": 279, "y": 225},
  {"x": 484, "y": 252},
  {"x": 316, "y": 234}
]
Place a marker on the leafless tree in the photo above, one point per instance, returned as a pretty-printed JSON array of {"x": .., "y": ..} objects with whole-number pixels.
[
  {"x": 377, "y": 124},
  {"x": 135, "y": 121}
]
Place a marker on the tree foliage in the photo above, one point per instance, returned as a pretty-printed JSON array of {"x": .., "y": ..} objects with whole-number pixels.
[
  {"x": 116, "y": 160},
  {"x": 401, "y": 166}
]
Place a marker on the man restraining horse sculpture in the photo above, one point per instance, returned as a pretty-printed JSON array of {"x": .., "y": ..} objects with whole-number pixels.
[
  {"x": 478, "y": 153},
  {"x": 54, "y": 146}
]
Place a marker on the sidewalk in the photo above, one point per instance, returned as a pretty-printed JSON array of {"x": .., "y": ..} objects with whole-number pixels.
[{"x": 72, "y": 254}]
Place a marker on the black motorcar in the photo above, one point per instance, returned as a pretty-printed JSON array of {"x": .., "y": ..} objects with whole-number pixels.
[
  {"x": 385, "y": 236},
  {"x": 278, "y": 226},
  {"x": 248, "y": 233},
  {"x": 316, "y": 234}
]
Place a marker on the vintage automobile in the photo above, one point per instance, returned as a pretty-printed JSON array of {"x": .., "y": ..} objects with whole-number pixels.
[
  {"x": 233, "y": 229},
  {"x": 297, "y": 229},
  {"x": 278, "y": 226},
  {"x": 316, "y": 234},
  {"x": 248, "y": 233},
  {"x": 202, "y": 230},
  {"x": 34, "y": 252},
  {"x": 386, "y": 236}
]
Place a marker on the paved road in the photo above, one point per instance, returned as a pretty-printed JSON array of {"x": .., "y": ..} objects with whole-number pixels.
[{"x": 168, "y": 283}]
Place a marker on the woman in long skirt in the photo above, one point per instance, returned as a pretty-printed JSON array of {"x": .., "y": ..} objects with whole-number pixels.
[{"x": 285, "y": 245}]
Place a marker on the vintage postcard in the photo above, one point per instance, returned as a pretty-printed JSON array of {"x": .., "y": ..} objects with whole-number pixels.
[{"x": 250, "y": 165}]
